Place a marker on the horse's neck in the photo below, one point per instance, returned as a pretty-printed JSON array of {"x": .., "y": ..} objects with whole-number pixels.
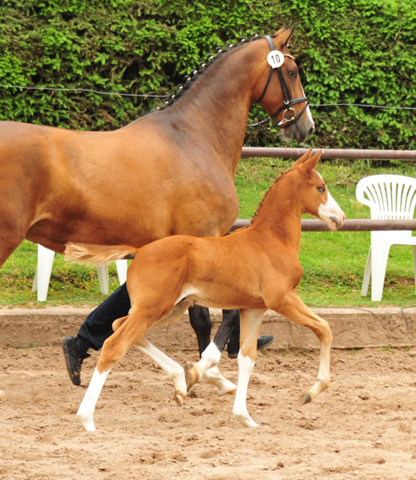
[
  {"x": 280, "y": 213},
  {"x": 213, "y": 112}
]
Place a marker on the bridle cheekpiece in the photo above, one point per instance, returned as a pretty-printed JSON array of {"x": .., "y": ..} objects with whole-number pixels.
[{"x": 276, "y": 59}]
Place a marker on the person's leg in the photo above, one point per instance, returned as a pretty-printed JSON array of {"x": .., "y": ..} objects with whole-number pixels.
[
  {"x": 96, "y": 328},
  {"x": 200, "y": 320},
  {"x": 233, "y": 346}
]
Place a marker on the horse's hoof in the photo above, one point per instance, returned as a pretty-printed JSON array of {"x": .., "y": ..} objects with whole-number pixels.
[
  {"x": 247, "y": 421},
  {"x": 191, "y": 375},
  {"x": 231, "y": 391},
  {"x": 2, "y": 395},
  {"x": 86, "y": 421},
  {"x": 179, "y": 398},
  {"x": 304, "y": 399}
]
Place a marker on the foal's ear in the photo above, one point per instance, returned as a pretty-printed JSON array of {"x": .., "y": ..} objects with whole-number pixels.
[
  {"x": 303, "y": 159},
  {"x": 283, "y": 36},
  {"x": 310, "y": 164}
]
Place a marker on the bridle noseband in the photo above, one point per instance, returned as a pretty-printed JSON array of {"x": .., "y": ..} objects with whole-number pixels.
[{"x": 275, "y": 63}]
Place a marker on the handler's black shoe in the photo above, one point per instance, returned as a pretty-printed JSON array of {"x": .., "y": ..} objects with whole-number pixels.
[
  {"x": 74, "y": 356},
  {"x": 262, "y": 342}
]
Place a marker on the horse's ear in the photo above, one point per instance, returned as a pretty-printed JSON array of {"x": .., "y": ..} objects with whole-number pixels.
[
  {"x": 303, "y": 158},
  {"x": 310, "y": 164},
  {"x": 284, "y": 36},
  {"x": 279, "y": 32}
]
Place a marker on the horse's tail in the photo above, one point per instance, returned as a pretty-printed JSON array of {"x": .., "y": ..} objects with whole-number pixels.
[{"x": 97, "y": 254}]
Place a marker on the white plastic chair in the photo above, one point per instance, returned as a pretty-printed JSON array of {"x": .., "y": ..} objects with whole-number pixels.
[
  {"x": 44, "y": 269},
  {"x": 389, "y": 197}
]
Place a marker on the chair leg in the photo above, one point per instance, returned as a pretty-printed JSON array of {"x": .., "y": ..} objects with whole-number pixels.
[
  {"x": 379, "y": 254},
  {"x": 102, "y": 271},
  {"x": 43, "y": 272},
  {"x": 367, "y": 275},
  {"x": 121, "y": 270},
  {"x": 414, "y": 262},
  {"x": 35, "y": 281}
]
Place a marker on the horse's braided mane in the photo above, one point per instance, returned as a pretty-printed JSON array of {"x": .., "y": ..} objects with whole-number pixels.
[{"x": 188, "y": 80}]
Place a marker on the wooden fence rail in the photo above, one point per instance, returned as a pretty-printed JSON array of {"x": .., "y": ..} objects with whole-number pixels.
[
  {"x": 330, "y": 153},
  {"x": 353, "y": 225}
]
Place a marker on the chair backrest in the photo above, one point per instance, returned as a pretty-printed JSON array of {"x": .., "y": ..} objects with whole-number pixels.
[{"x": 388, "y": 196}]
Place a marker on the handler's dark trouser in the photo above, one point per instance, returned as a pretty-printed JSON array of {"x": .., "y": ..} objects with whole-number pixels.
[{"x": 98, "y": 326}]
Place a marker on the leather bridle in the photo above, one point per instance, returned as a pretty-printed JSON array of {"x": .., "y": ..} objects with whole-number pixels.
[{"x": 288, "y": 101}]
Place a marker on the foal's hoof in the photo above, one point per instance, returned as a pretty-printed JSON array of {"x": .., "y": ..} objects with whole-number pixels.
[
  {"x": 191, "y": 375},
  {"x": 304, "y": 399},
  {"x": 86, "y": 421},
  {"x": 179, "y": 398},
  {"x": 2, "y": 395}
]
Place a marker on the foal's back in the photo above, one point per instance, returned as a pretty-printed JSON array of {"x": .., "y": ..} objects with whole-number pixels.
[{"x": 236, "y": 271}]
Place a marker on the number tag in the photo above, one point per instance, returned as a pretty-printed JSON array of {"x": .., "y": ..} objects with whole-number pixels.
[{"x": 275, "y": 59}]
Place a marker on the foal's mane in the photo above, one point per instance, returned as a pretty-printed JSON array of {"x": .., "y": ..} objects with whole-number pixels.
[
  {"x": 189, "y": 80},
  {"x": 278, "y": 179}
]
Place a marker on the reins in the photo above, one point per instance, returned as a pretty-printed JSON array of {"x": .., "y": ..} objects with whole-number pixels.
[{"x": 276, "y": 60}]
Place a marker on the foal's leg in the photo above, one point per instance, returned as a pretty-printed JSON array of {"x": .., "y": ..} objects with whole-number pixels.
[
  {"x": 296, "y": 311},
  {"x": 230, "y": 318},
  {"x": 206, "y": 370},
  {"x": 249, "y": 328},
  {"x": 127, "y": 334},
  {"x": 173, "y": 370}
]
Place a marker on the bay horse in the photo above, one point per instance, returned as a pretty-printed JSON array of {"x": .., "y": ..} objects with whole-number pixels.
[
  {"x": 254, "y": 269},
  {"x": 169, "y": 172}
]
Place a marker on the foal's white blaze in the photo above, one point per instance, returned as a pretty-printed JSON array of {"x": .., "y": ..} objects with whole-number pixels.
[
  {"x": 85, "y": 412},
  {"x": 245, "y": 367},
  {"x": 331, "y": 213},
  {"x": 308, "y": 111}
]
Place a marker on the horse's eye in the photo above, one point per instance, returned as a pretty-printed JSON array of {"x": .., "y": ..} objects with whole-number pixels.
[
  {"x": 321, "y": 188},
  {"x": 293, "y": 73}
]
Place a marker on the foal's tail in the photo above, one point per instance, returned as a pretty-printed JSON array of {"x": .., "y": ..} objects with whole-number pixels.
[{"x": 97, "y": 254}]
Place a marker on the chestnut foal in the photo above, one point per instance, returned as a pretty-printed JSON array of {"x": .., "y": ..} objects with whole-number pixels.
[{"x": 254, "y": 269}]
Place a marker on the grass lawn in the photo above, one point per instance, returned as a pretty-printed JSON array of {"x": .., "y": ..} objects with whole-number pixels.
[{"x": 333, "y": 262}]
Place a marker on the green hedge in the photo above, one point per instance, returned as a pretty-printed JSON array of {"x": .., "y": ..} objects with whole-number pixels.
[{"x": 352, "y": 51}]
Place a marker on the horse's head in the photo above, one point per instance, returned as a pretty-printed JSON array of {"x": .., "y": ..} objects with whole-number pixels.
[
  {"x": 280, "y": 91},
  {"x": 315, "y": 197}
]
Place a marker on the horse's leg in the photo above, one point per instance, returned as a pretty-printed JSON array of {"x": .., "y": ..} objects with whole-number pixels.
[
  {"x": 201, "y": 323},
  {"x": 296, "y": 311},
  {"x": 250, "y": 325},
  {"x": 9, "y": 243},
  {"x": 173, "y": 370},
  {"x": 128, "y": 334},
  {"x": 206, "y": 370}
]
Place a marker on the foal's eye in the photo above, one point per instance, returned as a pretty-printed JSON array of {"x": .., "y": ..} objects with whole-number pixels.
[
  {"x": 321, "y": 188},
  {"x": 293, "y": 73}
]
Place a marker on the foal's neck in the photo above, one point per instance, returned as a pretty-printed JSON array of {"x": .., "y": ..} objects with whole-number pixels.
[{"x": 280, "y": 211}]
